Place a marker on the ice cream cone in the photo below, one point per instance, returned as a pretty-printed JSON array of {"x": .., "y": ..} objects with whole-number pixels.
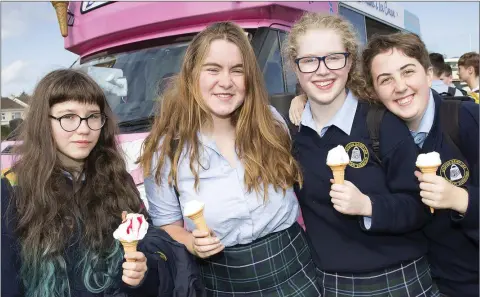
[
  {"x": 199, "y": 220},
  {"x": 429, "y": 170},
  {"x": 61, "y": 10},
  {"x": 338, "y": 172},
  {"x": 129, "y": 247}
]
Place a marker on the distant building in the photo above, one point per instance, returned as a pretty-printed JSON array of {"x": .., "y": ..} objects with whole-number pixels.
[{"x": 13, "y": 108}]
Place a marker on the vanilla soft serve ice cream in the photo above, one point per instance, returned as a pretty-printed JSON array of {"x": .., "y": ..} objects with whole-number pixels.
[
  {"x": 337, "y": 156},
  {"x": 133, "y": 228},
  {"x": 428, "y": 164},
  {"x": 194, "y": 211},
  {"x": 428, "y": 160},
  {"x": 192, "y": 207}
]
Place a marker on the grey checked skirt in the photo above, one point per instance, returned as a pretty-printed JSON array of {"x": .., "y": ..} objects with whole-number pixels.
[
  {"x": 278, "y": 264},
  {"x": 407, "y": 280}
]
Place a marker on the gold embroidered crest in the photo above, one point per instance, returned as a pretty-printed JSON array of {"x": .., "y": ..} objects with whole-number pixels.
[
  {"x": 358, "y": 154},
  {"x": 455, "y": 171}
]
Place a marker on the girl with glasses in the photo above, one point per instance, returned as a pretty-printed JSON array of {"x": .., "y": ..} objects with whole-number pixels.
[
  {"x": 397, "y": 69},
  {"x": 71, "y": 188},
  {"x": 365, "y": 234}
]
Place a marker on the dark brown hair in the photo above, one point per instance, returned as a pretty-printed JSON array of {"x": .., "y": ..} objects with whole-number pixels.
[
  {"x": 447, "y": 70},
  {"x": 408, "y": 43},
  {"x": 438, "y": 63},
  {"x": 48, "y": 210}
]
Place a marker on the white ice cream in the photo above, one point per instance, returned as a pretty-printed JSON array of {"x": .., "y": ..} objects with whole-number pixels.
[
  {"x": 337, "y": 156},
  {"x": 134, "y": 228},
  {"x": 192, "y": 207},
  {"x": 428, "y": 160}
]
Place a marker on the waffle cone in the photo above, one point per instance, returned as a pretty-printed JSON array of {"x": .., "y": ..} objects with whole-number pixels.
[
  {"x": 338, "y": 173},
  {"x": 129, "y": 247},
  {"x": 429, "y": 170},
  {"x": 61, "y": 10},
  {"x": 199, "y": 220}
]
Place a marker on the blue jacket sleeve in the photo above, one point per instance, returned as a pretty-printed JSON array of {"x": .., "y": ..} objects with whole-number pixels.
[
  {"x": 11, "y": 282},
  {"x": 400, "y": 211},
  {"x": 469, "y": 136}
]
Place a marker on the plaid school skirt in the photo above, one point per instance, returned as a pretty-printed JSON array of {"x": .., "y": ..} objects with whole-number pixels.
[
  {"x": 408, "y": 280},
  {"x": 278, "y": 264}
]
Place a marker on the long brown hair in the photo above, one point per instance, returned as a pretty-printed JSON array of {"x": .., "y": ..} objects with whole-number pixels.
[
  {"x": 262, "y": 142},
  {"x": 47, "y": 208}
]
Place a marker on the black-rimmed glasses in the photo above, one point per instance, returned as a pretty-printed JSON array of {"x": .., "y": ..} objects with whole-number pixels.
[
  {"x": 71, "y": 122},
  {"x": 333, "y": 61}
]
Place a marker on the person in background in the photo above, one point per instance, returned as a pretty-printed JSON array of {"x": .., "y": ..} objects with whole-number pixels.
[
  {"x": 468, "y": 71},
  {"x": 447, "y": 78},
  {"x": 438, "y": 66}
]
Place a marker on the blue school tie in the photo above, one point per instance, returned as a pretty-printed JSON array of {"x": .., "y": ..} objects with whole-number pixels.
[{"x": 419, "y": 138}]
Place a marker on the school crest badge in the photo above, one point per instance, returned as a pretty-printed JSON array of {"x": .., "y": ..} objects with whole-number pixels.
[
  {"x": 455, "y": 171},
  {"x": 358, "y": 154}
]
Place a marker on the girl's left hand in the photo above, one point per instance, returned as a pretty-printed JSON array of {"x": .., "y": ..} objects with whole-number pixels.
[
  {"x": 134, "y": 272},
  {"x": 348, "y": 199},
  {"x": 437, "y": 192}
]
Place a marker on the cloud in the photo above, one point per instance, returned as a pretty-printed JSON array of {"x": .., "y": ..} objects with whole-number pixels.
[
  {"x": 12, "y": 23},
  {"x": 23, "y": 75},
  {"x": 18, "y": 18},
  {"x": 15, "y": 72},
  {"x": 15, "y": 76}
]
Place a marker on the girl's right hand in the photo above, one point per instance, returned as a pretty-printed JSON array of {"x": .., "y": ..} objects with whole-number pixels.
[
  {"x": 296, "y": 109},
  {"x": 205, "y": 245}
]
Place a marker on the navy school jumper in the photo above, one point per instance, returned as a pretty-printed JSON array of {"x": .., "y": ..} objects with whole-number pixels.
[
  {"x": 453, "y": 239},
  {"x": 341, "y": 243}
]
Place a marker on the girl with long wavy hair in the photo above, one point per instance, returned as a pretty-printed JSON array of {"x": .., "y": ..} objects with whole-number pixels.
[
  {"x": 71, "y": 188},
  {"x": 365, "y": 232},
  {"x": 216, "y": 140}
]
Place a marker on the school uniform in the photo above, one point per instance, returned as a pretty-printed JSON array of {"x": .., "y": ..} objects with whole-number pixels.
[
  {"x": 266, "y": 253},
  {"x": 453, "y": 238},
  {"x": 441, "y": 87},
  {"x": 12, "y": 285},
  {"x": 381, "y": 255}
]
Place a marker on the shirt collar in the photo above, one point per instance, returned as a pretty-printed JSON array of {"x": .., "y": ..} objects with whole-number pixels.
[
  {"x": 438, "y": 82},
  {"x": 343, "y": 119},
  {"x": 427, "y": 120},
  {"x": 69, "y": 175}
]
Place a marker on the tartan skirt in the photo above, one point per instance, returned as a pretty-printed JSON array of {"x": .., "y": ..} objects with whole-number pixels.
[
  {"x": 279, "y": 264},
  {"x": 411, "y": 279}
]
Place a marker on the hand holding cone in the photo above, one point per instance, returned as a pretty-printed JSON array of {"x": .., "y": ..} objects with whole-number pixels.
[{"x": 428, "y": 164}]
